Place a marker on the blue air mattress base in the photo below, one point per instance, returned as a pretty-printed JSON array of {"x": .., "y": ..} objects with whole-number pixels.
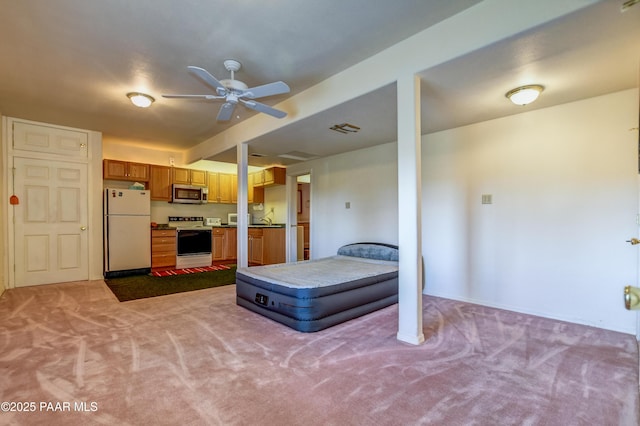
[{"x": 313, "y": 295}]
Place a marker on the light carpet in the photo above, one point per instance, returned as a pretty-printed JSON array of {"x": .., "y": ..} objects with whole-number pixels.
[{"x": 199, "y": 359}]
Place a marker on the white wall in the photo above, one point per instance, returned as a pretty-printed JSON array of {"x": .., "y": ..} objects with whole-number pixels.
[
  {"x": 565, "y": 199},
  {"x": 116, "y": 149},
  {"x": 565, "y": 196},
  {"x": 275, "y": 197},
  {"x": 367, "y": 179}
]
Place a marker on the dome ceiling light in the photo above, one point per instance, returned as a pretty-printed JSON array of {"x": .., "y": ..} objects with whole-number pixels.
[
  {"x": 141, "y": 100},
  {"x": 524, "y": 95}
]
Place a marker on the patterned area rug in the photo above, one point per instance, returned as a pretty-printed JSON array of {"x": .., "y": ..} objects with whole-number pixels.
[
  {"x": 172, "y": 272},
  {"x": 147, "y": 285}
]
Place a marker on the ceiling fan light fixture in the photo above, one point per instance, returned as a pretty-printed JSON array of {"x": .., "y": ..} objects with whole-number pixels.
[
  {"x": 141, "y": 100},
  {"x": 234, "y": 91},
  {"x": 524, "y": 95}
]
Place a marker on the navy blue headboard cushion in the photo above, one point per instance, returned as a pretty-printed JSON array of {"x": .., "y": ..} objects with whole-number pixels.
[{"x": 378, "y": 251}]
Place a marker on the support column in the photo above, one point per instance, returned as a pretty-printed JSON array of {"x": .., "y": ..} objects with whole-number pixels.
[
  {"x": 292, "y": 219},
  {"x": 242, "y": 151},
  {"x": 409, "y": 211}
]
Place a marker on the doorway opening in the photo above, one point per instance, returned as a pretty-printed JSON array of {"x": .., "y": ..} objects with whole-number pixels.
[{"x": 304, "y": 215}]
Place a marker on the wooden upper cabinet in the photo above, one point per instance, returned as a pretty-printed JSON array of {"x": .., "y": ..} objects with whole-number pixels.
[
  {"x": 139, "y": 171},
  {"x": 234, "y": 188},
  {"x": 221, "y": 188},
  {"x": 124, "y": 170},
  {"x": 114, "y": 169},
  {"x": 224, "y": 194},
  {"x": 198, "y": 177},
  {"x": 213, "y": 185},
  {"x": 255, "y": 192},
  {"x": 270, "y": 176},
  {"x": 274, "y": 176},
  {"x": 160, "y": 183},
  {"x": 182, "y": 176},
  {"x": 189, "y": 177},
  {"x": 258, "y": 179}
]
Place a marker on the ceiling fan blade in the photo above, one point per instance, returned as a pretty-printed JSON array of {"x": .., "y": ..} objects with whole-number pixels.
[
  {"x": 257, "y": 106},
  {"x": 207, "y": 97},
  {"x": 207, "y": 78},
  {"x": 226, "y": 110},
  {"x": 270, "y": 89}
]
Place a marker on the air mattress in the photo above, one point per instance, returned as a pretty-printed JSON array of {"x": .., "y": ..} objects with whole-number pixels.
[{"x": 313, "y": 295}]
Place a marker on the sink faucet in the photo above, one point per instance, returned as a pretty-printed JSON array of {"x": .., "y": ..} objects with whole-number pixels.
[{"x": 267, "y": 220}]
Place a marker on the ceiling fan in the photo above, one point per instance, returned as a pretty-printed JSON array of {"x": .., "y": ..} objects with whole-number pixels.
[{"x": 234, "y": 91}]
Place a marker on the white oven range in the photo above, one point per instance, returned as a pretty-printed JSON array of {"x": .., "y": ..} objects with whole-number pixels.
[{"x": 193, "y": 241}]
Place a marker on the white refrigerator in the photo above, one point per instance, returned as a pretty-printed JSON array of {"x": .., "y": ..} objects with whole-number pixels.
[{"x": 127, "y": 231}]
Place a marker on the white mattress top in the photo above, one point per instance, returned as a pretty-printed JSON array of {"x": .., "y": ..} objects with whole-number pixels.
[{"x": 321, "y": 272}]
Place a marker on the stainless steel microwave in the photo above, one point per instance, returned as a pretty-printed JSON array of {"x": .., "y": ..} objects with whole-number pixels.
[{"x": 188, "y": 194}]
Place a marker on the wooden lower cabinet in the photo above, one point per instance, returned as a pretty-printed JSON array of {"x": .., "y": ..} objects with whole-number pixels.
[
  {"x": 224, "y": 245},
  {"x": 273, "y": 245},
  {"x": 217, "y": 245},
  {"x": 255, "y": 246},
  {"x": 163, "y": 248},
  {"x": 231, "y": 244},
  {"x": 266, "y": 245}
]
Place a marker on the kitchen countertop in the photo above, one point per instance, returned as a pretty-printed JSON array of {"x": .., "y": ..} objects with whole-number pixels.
[
  {"x": 161, "y": 226},
  {"x": 275, "y": 225}
]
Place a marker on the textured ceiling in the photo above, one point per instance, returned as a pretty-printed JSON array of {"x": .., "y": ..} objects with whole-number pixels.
[{"x": 71, "y": 62}]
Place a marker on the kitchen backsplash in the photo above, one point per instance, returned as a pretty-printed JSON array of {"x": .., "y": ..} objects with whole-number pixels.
[{"x": 275, "y": 198}]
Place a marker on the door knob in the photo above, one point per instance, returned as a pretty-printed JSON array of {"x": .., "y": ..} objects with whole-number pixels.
[
  {"x": 84, "y": 228},
  {"x": 634, "y": 241},
  {"x": 632, "y": 297}
]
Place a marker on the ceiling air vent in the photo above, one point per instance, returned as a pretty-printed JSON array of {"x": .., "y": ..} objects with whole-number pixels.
[
  {"x": 257, "y": 155},
  {"x": 298, "y": 155},
  {"x": 345, "y": 128}
]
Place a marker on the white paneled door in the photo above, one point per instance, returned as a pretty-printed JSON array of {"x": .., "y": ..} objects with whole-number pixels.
[{"x": 51, "y": 243}]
